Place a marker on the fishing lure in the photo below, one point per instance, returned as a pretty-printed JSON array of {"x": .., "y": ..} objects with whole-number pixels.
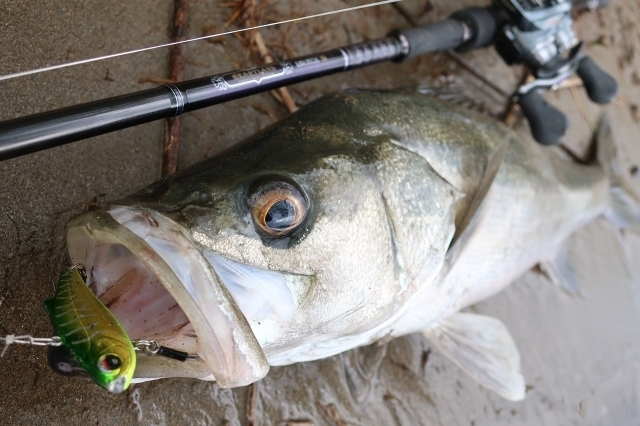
[{"x": 91, "y": 333}]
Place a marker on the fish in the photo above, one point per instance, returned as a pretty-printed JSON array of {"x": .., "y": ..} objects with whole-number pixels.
[
  {"x": 364, "y": 216},
  {"x": 90, "y": 332}
]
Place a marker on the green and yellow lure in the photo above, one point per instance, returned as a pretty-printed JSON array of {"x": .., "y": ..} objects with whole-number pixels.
[{"x": 91, "y": 333}]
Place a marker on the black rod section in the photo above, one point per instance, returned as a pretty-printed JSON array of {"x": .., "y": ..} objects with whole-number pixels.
[{"x": 37, "y": 132}]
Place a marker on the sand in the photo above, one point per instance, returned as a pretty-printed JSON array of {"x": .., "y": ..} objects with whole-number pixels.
[{"x": 580, "y": 355}]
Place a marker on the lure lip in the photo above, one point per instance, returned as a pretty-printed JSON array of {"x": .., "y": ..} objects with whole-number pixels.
[
  {"x": 226, "y": 342},
  {"x": 118, "y": 385}
]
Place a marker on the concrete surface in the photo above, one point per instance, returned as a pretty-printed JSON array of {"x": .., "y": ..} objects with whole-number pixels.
[{"x": 581, "y": 356}]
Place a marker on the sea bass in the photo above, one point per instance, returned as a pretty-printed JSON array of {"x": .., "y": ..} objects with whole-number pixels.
[{"x": 365, "y": 215}]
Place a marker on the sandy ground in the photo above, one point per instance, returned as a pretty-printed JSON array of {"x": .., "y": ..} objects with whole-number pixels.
[{"x": 581, "y": 356}]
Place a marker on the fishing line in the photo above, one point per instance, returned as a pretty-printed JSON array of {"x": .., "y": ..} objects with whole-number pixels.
[
  {"x": 28, "y": 340},
  {"x": 149, "y": 347},
  {"x": 144, "y": 49}
]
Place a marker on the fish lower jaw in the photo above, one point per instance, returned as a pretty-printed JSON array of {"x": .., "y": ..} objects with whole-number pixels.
[{"x": 146, "y": 270}]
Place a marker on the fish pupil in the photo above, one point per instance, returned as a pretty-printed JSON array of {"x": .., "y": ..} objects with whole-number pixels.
[{"x": 280, "y": 215}]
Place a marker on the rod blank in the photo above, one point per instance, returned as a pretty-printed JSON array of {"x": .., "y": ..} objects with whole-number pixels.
[{"x": 37, "y": 132}]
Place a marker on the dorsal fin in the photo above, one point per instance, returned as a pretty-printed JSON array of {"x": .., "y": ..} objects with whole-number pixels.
[{"x": 455, "y": 96}]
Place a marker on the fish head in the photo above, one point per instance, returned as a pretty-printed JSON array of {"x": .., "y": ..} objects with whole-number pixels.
[
  {"x": 287, "y": 241},
  {"x": 114, "y": 366}
]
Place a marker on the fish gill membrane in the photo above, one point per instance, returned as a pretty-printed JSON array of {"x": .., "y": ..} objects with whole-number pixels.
[{"x": 363, "y": 216}]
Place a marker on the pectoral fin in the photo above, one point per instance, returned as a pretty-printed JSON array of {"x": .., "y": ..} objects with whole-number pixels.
[
  {"x": 483, "y": 347},
  {"x": 467, "y": 227},
  {"x": 560, "y": 270}
]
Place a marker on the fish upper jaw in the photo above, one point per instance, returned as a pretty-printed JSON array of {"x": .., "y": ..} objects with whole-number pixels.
[{"x": 164, "y": 250}]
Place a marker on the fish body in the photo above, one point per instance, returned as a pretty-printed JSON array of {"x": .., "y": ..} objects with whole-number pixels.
[
  {"x": 363, "y": 216},
  {"x": 91, "y": 333}
]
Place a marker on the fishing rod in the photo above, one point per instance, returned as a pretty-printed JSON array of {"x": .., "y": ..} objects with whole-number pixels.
[{"x": 537, "y": 33}]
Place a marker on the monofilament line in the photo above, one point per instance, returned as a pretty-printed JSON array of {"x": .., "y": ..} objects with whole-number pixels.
[{"x": 144, "y": 49}]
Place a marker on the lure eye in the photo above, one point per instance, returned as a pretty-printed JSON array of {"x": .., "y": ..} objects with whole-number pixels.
[
  {"x": 277, "y": 208},
  {"x": 109, "y": 363}
]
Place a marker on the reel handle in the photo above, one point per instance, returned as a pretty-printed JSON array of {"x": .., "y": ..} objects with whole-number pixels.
[
  {"x": 548, "y": 125},
  {"x": 600, "y": 86}
]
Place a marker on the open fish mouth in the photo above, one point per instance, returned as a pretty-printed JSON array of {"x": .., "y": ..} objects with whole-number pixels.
[{"x": 161, "y": 286}]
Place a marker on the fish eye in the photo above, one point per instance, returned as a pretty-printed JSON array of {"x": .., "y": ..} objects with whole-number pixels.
[
  {"x": 277, "y": 207},
  {"x": 109, "y": 363}
]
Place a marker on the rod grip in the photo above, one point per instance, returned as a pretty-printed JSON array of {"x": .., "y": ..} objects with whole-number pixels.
[
  {"x": 482, "y": 24},
  {"x": 443, "y": 35},
  {"x": 548, "y": 125},
  {"x": 600, "y": 86}
]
